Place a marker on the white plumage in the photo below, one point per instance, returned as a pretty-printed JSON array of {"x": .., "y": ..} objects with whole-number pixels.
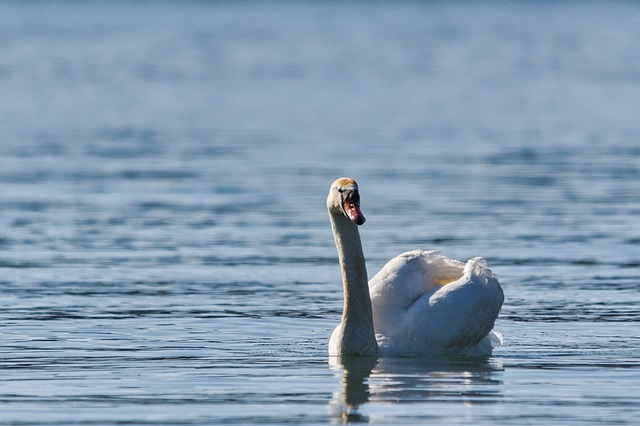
[
  {"x": 420, "y": 303},
  {"x": 426, "y": 304}
]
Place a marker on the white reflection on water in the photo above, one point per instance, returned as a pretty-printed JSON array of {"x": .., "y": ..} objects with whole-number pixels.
[{"x": 457, "y": 380}]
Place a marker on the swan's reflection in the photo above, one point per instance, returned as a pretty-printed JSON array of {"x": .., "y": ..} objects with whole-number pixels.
[
  {"x": 405, "y": 380},
  {"x": 354, "y": 390}
]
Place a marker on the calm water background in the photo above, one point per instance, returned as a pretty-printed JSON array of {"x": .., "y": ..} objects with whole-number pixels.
[{"x": 165, "y": 252}]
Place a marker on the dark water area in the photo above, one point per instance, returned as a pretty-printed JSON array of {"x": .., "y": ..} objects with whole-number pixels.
[{"x": 165, "y": 251}]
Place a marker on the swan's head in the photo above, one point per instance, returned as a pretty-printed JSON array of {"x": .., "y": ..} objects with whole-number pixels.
[{"x": 344, "y": 199}]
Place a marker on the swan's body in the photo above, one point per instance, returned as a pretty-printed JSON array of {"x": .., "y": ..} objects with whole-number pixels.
[{"x": 420, "y": 304}]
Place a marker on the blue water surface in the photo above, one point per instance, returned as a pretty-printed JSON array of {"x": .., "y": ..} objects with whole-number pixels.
[{"x": 165, "y": 252}]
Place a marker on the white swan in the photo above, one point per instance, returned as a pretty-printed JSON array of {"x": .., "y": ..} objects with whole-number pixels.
[{"x": 420, "y": 304}]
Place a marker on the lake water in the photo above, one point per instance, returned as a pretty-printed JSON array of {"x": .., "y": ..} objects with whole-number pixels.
[{"x": 166, "y": 256}]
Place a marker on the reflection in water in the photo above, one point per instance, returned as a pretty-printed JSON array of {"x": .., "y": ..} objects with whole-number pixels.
[
  {"x": 405, "y": 380},
  {"x": 354, "y": 390}
]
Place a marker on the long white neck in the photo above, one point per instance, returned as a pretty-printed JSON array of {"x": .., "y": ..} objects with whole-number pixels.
[{"x": 358, "y": 336}]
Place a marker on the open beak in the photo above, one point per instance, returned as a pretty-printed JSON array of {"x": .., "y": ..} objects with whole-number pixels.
[{"x": 351, "y": 207}]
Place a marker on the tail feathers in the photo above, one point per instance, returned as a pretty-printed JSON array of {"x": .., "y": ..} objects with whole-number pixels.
[
  {"x": 486, "y": 346},
  {"x": 496, "y": 338},
  {"x": 478, "y": 267}
]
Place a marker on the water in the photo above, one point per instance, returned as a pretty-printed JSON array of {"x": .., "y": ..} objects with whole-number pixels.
[{"x": 166, "y": 256}]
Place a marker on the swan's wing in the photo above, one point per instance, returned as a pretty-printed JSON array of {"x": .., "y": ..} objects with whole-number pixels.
[
  {"x": 457, "y": 317},
  {"x": 407, "y": 277},
  {"x": 415, "y": 314}
]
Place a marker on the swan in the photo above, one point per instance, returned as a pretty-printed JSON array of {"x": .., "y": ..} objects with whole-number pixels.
[{"x": 420, "y": 304}]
